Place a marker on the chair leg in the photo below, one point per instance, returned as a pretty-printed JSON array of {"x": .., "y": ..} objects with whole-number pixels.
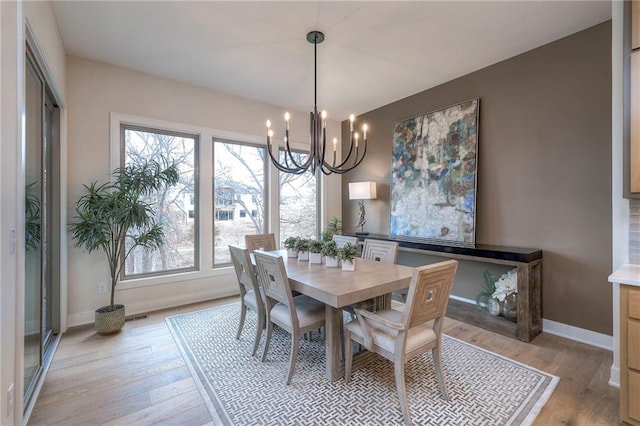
[
  {"x": 267, "y": 340},
  {"x": 398, "y": 367},
  {"x": 243, "y": 314},
  {"x": 437, "y": 364},
  {"x": 259, "y": 329},
  {"x": 293, "y": 357},
  {"x": 348, "y": 356}
]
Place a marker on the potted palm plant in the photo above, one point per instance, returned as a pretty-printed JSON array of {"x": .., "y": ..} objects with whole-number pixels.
[
  {"x": 315, "y": 251},
  {"x": 330, "y": 251},
  {"x": 290, "y": 245},
  {"x": 346, "y": 255},
  {"x": 116, "y": 218}
]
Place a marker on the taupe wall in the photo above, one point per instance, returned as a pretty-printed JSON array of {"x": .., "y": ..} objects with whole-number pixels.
[{"x": 544, "y": 166}]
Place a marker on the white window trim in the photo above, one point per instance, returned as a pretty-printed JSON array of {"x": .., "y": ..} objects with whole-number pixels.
[{"x": 205, "y": 170}]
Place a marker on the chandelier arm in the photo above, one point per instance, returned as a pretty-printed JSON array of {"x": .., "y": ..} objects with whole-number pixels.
[
  {"x": 286, "y": 169},
  {"x": 324, "y": 147},
  {"x": 340, "y": 168},
  {"x": 288, "y": 152},
  {"x": 348, "y": 156}
]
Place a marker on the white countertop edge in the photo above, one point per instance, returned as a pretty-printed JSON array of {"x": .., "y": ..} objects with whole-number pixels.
[{"x": 627, "y": 274}]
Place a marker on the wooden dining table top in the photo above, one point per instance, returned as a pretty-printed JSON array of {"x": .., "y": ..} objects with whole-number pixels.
[{"x": 339, "y": 288}]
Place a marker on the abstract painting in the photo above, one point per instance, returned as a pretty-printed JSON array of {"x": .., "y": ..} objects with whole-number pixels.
[{"x": 433, "y": 176}]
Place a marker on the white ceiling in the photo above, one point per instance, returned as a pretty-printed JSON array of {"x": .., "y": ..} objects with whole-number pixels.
[{"x": 375, "y": 52}]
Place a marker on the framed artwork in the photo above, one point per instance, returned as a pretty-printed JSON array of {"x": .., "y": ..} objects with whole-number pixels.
[{"x": 434, "y": 176}]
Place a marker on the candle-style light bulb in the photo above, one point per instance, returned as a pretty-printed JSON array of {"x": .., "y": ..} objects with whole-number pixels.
[
  {"x": 286, "y": 119},
  {"x": 324, "y": 117},
  {"x": 270, "y": 133},
  {"x": 355, "y": 136},
  {"x": 268, "y": 124},
  {"x": 364, "y": 131},
  {"x": 352, "y": 118},
  {"x": 335, "y": 144}
]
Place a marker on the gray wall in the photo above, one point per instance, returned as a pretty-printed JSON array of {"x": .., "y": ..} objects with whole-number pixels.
[{"x": 544, "y": 166}]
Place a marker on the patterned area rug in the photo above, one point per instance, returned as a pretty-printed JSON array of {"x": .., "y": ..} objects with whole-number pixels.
[{"x": 484, "y": 388}]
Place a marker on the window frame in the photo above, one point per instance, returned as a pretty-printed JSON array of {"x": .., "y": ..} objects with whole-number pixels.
[
  {"x": 318, "y": 193},
  {"x": 265, "y": 192},
  {"x": 196, "y": 187}
]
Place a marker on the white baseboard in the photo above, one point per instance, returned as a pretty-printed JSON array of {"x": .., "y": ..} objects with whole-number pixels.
[
  {"x": 614, "y": 380},
  {"x": 462, "y": 299},
  {"x": 582, "y": 335},
  {"x": 88, "y": 317},
  {"x": 589, "y": 337}
]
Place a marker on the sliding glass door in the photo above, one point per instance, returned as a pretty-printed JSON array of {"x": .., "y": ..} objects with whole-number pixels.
[{"x": 41, "y": 227}]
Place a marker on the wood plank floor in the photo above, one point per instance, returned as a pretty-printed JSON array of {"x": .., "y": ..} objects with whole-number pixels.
[{"x": 138, "y": 376}]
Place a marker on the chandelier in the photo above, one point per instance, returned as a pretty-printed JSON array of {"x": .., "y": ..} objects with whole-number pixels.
[{"x": 318, "y": 132}]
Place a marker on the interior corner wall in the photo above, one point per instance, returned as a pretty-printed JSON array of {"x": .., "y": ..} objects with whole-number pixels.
[{"x": 544, "y": 166}]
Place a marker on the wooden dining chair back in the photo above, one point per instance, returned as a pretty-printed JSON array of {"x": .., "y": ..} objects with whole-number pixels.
[
  {"x": 382, "y": 251},
  {"x": 251, "y": 296},
  {"x": 266, "y": 242},
  {"x": 296, "y": 315},
  {"x": 342, "y": 240},
  {"x": 401, "y": 336}
]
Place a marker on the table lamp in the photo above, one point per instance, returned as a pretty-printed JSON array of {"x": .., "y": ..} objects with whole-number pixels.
[{"x": 362, "y": 191}]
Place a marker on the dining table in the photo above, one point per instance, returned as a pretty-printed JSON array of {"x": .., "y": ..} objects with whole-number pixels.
[{"x": 338, "y": 289}]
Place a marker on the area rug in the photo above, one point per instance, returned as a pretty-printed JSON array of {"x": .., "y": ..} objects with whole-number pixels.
[{"x": 484, "y": 388}]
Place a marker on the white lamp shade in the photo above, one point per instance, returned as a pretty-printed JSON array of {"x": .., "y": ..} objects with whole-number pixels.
[{"x": 362, "y": 190}]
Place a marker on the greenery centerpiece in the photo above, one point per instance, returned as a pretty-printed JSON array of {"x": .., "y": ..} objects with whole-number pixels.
[
  {"x": 315, "y": 251},
  {"x": 346, "y": 255},
  {"x": 302, "y": 247},
  {"x": 334, "y": 227},
  {"x": 116, "y": 218},
  {"x": 290, "y": 244},
  {"x": 330, "y": 253}
]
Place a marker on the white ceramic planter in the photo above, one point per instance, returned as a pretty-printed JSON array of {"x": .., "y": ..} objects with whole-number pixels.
[
  {"x": 348, "y": 265},
  {"x": 330, "y": 262},
  {"x": 303, "y": 255},
  {"x": 315, "y": 258},
  {"x": 292, "y": 253}
]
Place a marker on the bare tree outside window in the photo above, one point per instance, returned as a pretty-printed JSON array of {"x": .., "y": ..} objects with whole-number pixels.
[
  {"x": 239, "y": 187},
  {"x": 176, "y": 207},
  {"x": 298, "y": 202}
]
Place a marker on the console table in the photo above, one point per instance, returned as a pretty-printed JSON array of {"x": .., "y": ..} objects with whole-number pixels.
[{"x": 529, "y": 266}]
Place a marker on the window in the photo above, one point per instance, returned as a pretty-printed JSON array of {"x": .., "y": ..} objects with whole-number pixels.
[
  {"x": 239, "y": 184},
  {"x": 176, "y": 207},
  {"x": 298, "y": 202}
]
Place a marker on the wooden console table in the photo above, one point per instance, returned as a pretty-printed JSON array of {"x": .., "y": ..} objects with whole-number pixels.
[{"x": 529, "y": 266}]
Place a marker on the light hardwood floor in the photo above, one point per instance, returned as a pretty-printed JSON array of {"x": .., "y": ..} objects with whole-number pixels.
[{"x": 139, "y": 377}]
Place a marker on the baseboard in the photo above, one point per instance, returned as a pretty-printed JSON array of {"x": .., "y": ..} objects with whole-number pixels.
[
  {"x": 614, "y": 379},
  {"x": 582, "y": 335},
  {"x": 462, "y": 299},
  {"x": 87, "y": 317},
  {"x": 589, "y": 337}
]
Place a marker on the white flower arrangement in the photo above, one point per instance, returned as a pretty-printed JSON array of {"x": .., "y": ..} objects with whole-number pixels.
[{"x": 506, "y": 285}]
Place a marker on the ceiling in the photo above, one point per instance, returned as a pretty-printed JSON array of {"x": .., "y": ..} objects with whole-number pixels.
[{"x": 374, "y": 53}]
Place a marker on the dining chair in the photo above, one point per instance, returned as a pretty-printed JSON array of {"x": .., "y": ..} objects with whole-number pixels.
[
  {"x": 382, "y": 251},
  {"x": 342, "y": 240},
  {"x": 251, "y": 296},
  {"x": 296, "y": 315},
  {"x": 266, "y": 242},
  {"x": 402, "y": 335}
]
